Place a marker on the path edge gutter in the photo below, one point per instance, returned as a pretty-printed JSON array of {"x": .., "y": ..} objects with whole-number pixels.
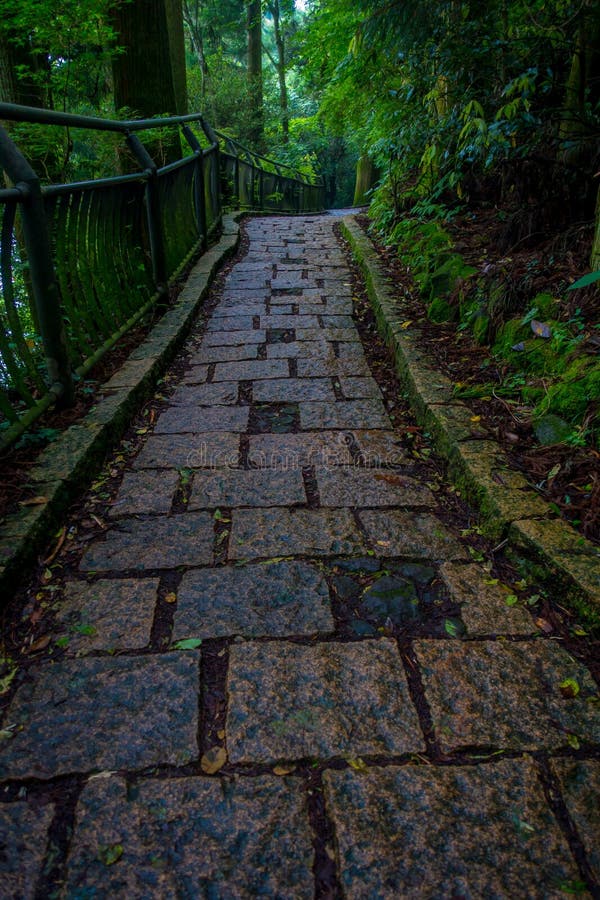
[
  {"x": 66, "y": 467},
  {"x": 510, "y": 509}
]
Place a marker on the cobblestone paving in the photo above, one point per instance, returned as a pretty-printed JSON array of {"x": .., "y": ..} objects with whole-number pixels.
[{"x": 279, "y": 672}]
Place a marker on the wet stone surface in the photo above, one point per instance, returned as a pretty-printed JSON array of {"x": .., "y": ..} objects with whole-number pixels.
[
  {"x": 236, "y": 487},
  {"x": 110, "y": 614},
  {"x": 206, "y": 450},
  {"x": 371, "y": 487},
  {"x": 447, "y": 832},
  {"x": 145, "y": 492},
  {"x": 580, "y": 784},
  {"x": 506, "y": 695},
  {"x": 153, "y": 543},
  {"x": 343, "y": 414},
  {"x": 23, "y": 839},
  {"x": 198, "y": 419},
  {"x": 289, "y": 532},
  {"x": 91, "y": 714},
  {"x": 292, "y": 702},
  {"x": 280, "y": 599},
  {"x": 192, "y": 837},
  {"x": 483, "y": 606},
  {"x": 342, "y": 730},
  {"x": 397, "y": 533}
]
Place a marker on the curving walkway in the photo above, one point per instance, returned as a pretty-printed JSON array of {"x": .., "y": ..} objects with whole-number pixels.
[{"x": 283, "y": 674}]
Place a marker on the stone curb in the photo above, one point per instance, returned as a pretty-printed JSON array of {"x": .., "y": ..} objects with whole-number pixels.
[
  {"x": 66, "y": 466},
  {"x": 510, "y": 508}
]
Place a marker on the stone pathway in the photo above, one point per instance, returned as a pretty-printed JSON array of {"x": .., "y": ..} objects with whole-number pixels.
[{"x": 282, "y": 674}]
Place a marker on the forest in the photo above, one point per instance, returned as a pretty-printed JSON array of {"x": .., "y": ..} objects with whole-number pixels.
[{"x": 469, "y": 134}]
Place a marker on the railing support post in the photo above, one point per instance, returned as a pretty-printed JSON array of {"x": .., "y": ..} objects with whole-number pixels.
[
  {"x": 46, "y": 295},
  {"x": 153, "y": 212},
  {"x": 199, "y": 194}
]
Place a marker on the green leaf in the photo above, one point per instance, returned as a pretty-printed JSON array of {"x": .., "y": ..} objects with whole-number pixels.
[
  {"x": 590, "y": 278},
  {"x": 187, "y": 644},
  {"x": 511, "y": 600},
  {"x": 451, "y": 628},
  {"x": 110, "y": 855}
]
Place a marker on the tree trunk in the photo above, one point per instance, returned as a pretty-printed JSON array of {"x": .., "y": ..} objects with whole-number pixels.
[
  {"x": 255, "y": 79},
  {"x": 582, "y": 89},
  {"x": 283, "y": 94},
  {"x": 149, "y": 73},
  {"x": 367, "y": 176},
  {"x": 191, "y": 16},
  {"x": 177, "y": 54}
]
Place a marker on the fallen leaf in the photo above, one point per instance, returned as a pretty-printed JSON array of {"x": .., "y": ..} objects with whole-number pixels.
[
  {"x": 553, "y": 472},
  {"x": 221, "y": 734},
  {"x": 284, "y": 770},
  {"x": 187, "y": 644},
  {"x": 544, "y": 626},
  {"x": 110, "y": 855},
  {"x": 475, "y": 418},
  {"x": 358, "y": 764},
  {"x": 213, "y": 760},
  {"x": 171, "y": 598},
  {"x": 60, "y": 541},
  {"x": 33, "y": 501},
  {"x": 40, "y": 644}
]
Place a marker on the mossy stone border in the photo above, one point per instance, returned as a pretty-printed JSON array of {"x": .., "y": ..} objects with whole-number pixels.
[{"x": 510, "y": 509}]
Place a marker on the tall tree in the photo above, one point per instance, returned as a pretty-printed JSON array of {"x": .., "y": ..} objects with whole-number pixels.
[
  {"x": 280, "y": 63},
  {"x": 148, "y": 79},
  {"x": 255, "y": 73}
]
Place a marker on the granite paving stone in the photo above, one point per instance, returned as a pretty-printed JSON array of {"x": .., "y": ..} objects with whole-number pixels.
[
  {"x": 109, "y": 614},
  {"x": 212, "y": 450},
  {"x": 370, "y": 487},
  {"x": 310, "y": 334},
  {"x": 359, "y": 388},
  {"x": 506, "y": 695},
  {"x": 282, "y": 321},
  {"x": 207, "y": 355},
  {"x": 23, "y": 840},
  {"x": 580, "y": 785},
  {"x": 230, "y": 323},
  {"x": 226, "y": 392},
  {"x": 293, "y": 451},
  {"x": 283, "y": 532},
  {"x": 150, "y": 491},
  {"x": 195, "y": 375},
  {"x": 192, "y": 837},
  {"x": 427, "y": 832},
  {"x": 274, "y": 600},
  {"x": 91, "y": 714},
  {"x": 399, "y": 533},
  {"x": 294, "y": 389},
  {"x": 346, "y": 335},
  {"x": 379, "y": 449},
  {"x": 164, "y": 542},
  {"x": 252, "y": 369},
  {"x": 288, "y": 701},
  {"x": 198, "y": 419},
  {"x": 318, "y": 368},
  {"x": 301, "y": 350},
  {"x": 238, "y": 487},
  {"x": 483, "y": 605},
  {"x": 233, "y": 338},
  {"x": 344, "y": 414}
]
